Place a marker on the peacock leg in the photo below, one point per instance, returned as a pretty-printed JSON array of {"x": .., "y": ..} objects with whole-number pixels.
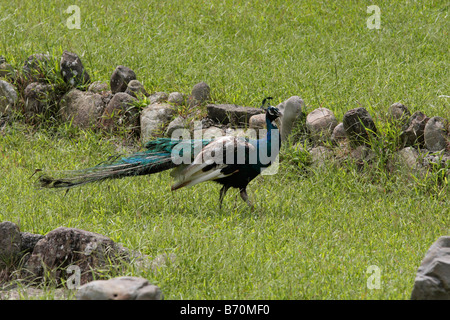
[
  {"x": 222, "y": 195},
  {"x": 244, "y": 197}
]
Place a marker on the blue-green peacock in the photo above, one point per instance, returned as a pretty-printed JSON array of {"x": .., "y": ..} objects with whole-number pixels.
[{"x": 231, "y": 161}]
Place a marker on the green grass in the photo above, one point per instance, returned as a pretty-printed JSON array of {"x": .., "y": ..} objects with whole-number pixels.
[{"x": 311, "y": 236}]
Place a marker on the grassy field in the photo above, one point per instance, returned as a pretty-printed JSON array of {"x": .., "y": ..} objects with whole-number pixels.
[{"x": 311, "y": 236}]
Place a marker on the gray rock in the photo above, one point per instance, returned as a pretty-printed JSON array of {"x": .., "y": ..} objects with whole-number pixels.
[
  {"x": 321, "y": 123},
  {"x": 258, "y": 121},
  {"x": 363, "y": 154},
  {"x": 413, "y": 134},
  {"x": 231, "y": 113},
  {"x": 33, "y": 293},
  {"x": 437, "y": 159},
  {"x": 339, "y": 133},
  {"x": 121, "y": 113},
  {"x": 136, "y": 89},
  {"x": 161, "y": 261},
  {"x": 435, "y": 134},
  {"x": 154, "y": 118},
  {"x": 359, "y": 126},
  {"x": 201, "y": 93},
  {"x": 120, "y": 78},
  {"x": 176, "y": 98},
  {"x": 98, "y": 87},
  {"x": 8, "y": 97},
  {"x": 64, "y": 247},
  {"x": 83, "y": 108},
  {"x": 320, "y": 155},
  {"x": 2, "y": 59},
  {"x": 29, "y": 241},
  {"x": 158, "y": 97},
  {"x": 398, "y": 112},
  {"x": 39, "y": 98},
  {"x": 408, "y": 158},
  {"x": 10, "y": 244},
  {"x": 291, "y": 109},
  {"x": 177, "y": 123},
  {"x": 37, "y": 66},
  {"x": 212, "y": 132},
  {"x": 121, "y": 288},
  {"x": 72, "y": 70},
  {"x": 6, "y": 70},
  {"x": 433, "y": 276}
]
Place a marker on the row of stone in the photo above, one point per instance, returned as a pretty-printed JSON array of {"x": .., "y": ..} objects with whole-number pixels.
[
  {"x": 84, "y": 103},
  {"x": 91, "y": 104},
  {"x": 417, "y": 130},
  {"x": 116, "y": 108}
]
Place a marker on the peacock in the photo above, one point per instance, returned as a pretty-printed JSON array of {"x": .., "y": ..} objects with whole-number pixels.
[{"x": 231, "y": 161}]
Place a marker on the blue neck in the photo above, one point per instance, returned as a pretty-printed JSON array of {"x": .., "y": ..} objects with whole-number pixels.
[{"x": 270, "y": 126}]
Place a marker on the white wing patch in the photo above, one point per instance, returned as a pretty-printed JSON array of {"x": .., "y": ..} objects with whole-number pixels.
[{"x": 214, "y": 158}]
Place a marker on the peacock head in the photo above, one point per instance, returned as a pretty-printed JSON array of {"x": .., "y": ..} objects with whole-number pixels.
[{"x": 272, "y": 112}]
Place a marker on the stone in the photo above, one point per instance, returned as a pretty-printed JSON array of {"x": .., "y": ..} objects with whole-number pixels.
[
  {"x": 83, "y": 108},
  {"x": 359, "y": 126},
  {"x": 321, "y": 123},
  {"x": 10, "y": 244},
  {"x": 319, "y": 155},
  {"x": 136, "y": 89},
  {"x": 121, "y": 288},
  {"x": 408, "y": 158},
  {"x": 6, "y": 70},
  {"x": 29, "y": 241},
  {"x": 363, "y": 154},
  {"x": 439, "y": 159},
  {"x": 121, "y": 113},
  {"x": 158, "y": 97},
  {"x": 162, "y": 260},
  {"x": 435, "y": 134},
  {"x": 398, "y": 112},
  {"x": 291, "y": 110},
  {"x": 211, "y": 132},
  {"x": 339, "y": 133},
  {"x": 413, "y": 134},
  {"x": 231, "y": 113},
  {"x": 154, "y": 118},
  {"x": 433, "y": 276},
  {"x": 39, "y": 98},
  {"x": 72, "y": 70},
  {"x": 37, "y": 66},
  {"x": 201, "y": 94},
  {"x": 120, "y": 78},
  {"x": 177, "y": 123},
  {"x": 258, "y": 121},
  {"x": 8, "y": 97},
  {"x": 64, "y": 247},
  {"x": 176, "y": 98},
  {"x": 98, "y": 87},
  {"x": 33, "y": 293}
]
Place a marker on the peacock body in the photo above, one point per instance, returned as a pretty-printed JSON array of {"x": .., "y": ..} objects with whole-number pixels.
[{"x": 230, "y": 161}]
